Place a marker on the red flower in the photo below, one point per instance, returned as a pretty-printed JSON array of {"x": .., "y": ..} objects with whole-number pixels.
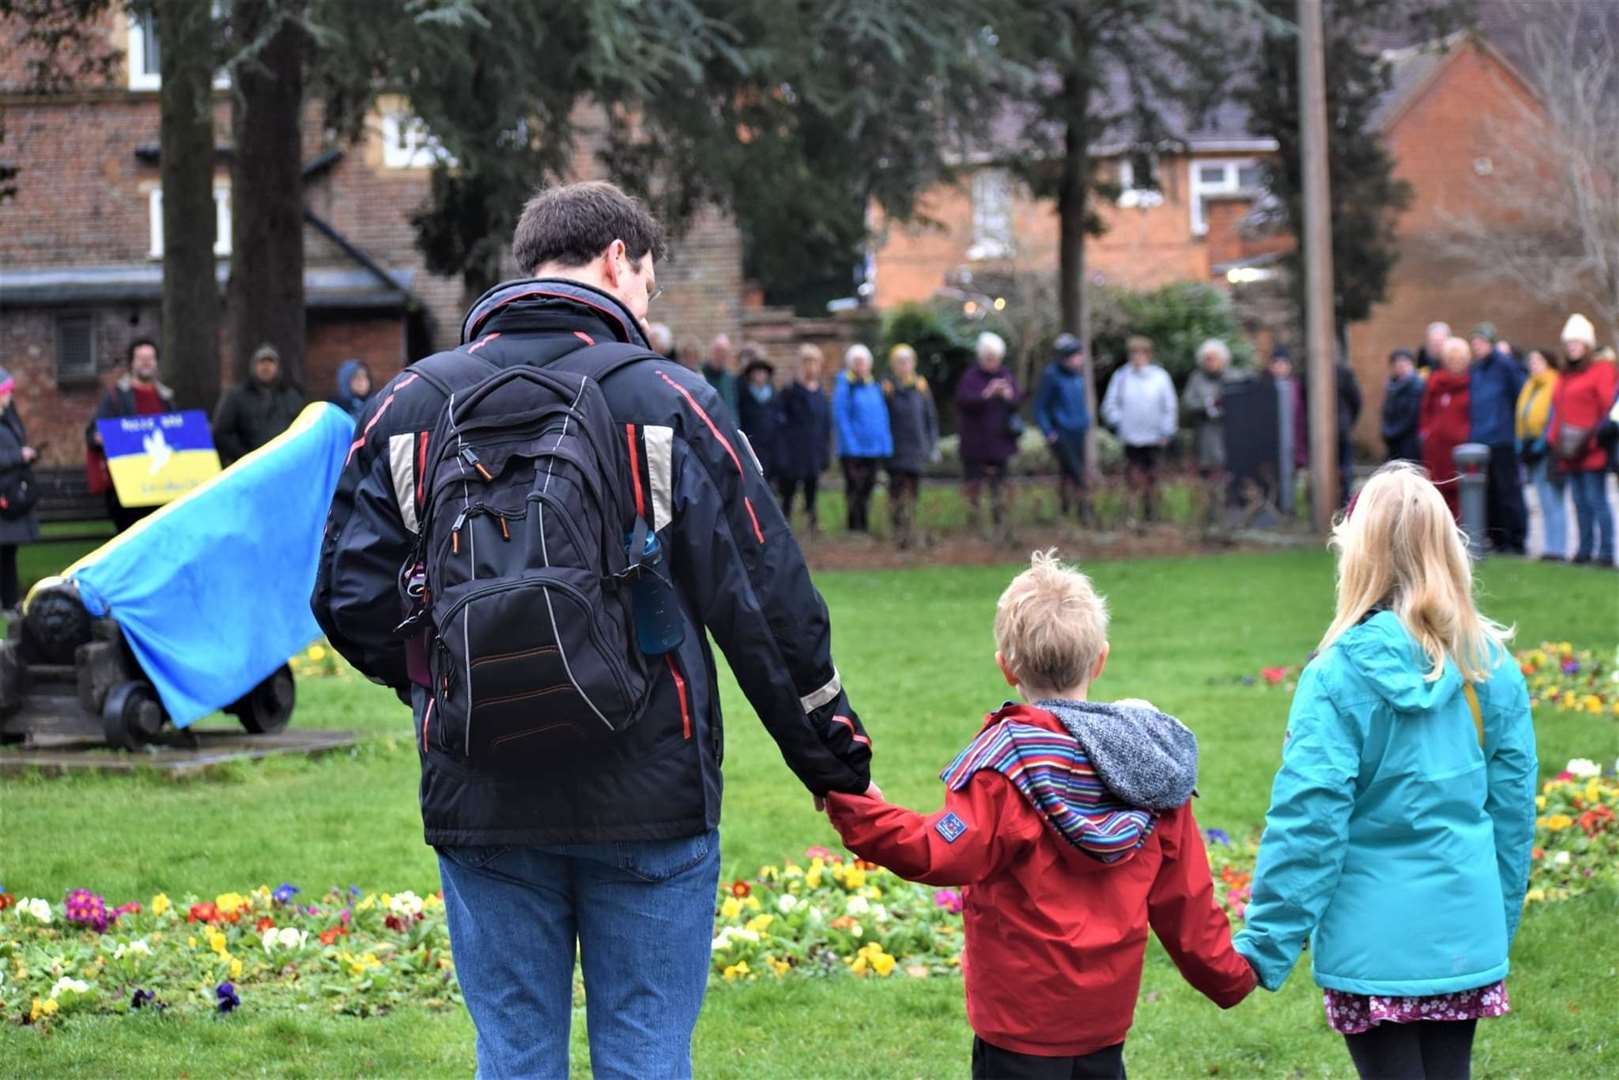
[
  {"x": 395, "y": 923},
  {"x": 740, "y": 888},
  {"x": 264, "y": 923},
  {"x": 862, "y": 864},
  {"x": 1537, "y": 853},
  {"x": 331, "y": 934},
  {"x": 207, "y": 913},
  {"x": 1273, "y": 675},
  {"x": 6, "y": 900}
]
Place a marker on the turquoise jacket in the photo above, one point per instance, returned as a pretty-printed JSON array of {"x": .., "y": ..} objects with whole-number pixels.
[{"x": 1395, "y": 844}]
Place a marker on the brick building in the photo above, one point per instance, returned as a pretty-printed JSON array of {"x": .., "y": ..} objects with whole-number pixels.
[
  {"x": 81, "y": 244},
  {"x": 1442, "y": 121}
]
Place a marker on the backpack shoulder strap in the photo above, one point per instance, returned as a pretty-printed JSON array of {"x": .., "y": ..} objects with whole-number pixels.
[
  {"x": 450, "y": 371},
  {"x": 1477, "y": 710},
  {"x": 600, "y": 361}
]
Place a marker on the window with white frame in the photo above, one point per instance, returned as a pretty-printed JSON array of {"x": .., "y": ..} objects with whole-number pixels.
[
  {"x": 221, "y": 221},
  {"x": 145, "y": 71},
  {"x": 1243, "y": 176},
  {"x": 992, "y": 214},
  {"x": 145, "y": 53},
  {"x": 1142, "y": 197},
  {"x": 407, "y": 144}
]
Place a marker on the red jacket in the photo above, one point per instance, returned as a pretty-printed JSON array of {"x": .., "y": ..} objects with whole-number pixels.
[
  {"x": 1444, "y": 424},
  {"x": 1055, "y": 938},
  {"x": 1583, "y": 398}
]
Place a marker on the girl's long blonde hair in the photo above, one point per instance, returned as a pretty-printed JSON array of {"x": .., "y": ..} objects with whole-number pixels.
[{"x": 1400, "y": 547}]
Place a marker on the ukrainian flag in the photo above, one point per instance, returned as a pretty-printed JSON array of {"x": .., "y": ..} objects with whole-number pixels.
[{"x": 156, "y": 459}]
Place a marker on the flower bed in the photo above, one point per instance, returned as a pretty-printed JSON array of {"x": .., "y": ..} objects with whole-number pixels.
[
  {"x": 1576, "y": 834},
  {"x": 364, "y": 953},
  {"x": 1563, "y": 677},
  {"x": 345, "y": 952}
]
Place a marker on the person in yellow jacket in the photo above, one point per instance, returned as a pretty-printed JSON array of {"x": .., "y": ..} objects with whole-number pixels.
[{"x": 1534, "y": 414}]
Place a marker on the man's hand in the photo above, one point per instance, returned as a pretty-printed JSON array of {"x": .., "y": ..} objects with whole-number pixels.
[
  {"x": 872, "y": 792},
  {"x": 29, "y": 454}
]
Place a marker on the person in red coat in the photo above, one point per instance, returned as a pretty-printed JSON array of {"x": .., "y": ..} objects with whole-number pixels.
[
  {"x": 1069, "y": 826},
  {"x": 1584, "y": 396},
  {"x": 1444, "y": 423}
]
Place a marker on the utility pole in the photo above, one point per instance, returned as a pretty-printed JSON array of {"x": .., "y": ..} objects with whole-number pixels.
[{"x": 1319, "y": 319}]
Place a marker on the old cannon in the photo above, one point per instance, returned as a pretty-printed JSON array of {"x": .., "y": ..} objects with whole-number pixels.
[{"x": 193, "y": 610}]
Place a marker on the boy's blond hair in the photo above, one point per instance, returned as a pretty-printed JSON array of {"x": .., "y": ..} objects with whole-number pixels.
[{"x": 1050, "y": 626}]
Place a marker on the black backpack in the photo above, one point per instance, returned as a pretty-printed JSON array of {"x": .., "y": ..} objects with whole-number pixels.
[{"x": 521, "y": 576}]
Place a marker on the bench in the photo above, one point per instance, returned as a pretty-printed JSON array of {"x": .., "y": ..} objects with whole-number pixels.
[{"x": 65, "y": 501}]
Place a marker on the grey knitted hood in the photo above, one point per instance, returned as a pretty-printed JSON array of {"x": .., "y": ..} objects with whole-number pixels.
[{"x": 1144, "y": 757}]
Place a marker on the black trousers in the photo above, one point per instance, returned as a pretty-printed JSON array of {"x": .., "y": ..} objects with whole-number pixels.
[
  {"x": 1424, "y": 1050},
  {"x": 122, "y": 516},
  {"x": 1506, "y": 519},
  {"x": 859, "y": 478},
  {"x": 10, "y": 586},
  {"x": 993, "y": 1063},
  {"x": 786, "y": 486}
]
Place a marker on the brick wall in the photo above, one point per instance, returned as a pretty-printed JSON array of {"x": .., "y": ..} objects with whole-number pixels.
[
  {"x": 334, "y": 338},
  {"x": 1143, "y": 246}
]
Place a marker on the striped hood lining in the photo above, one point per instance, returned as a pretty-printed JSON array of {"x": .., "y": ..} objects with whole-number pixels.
[{"x": 1052, "y": 771}]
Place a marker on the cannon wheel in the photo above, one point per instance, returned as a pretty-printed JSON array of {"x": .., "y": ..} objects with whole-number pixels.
[
  {"x": 131, "y": 716},
  {"x": 267, "y": 707}
]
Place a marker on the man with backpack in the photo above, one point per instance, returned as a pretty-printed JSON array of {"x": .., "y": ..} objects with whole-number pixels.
[{"x": 531, "y": 541}]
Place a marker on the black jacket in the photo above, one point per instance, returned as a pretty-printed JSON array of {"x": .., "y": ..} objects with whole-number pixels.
[
  {"x": 1402, "y": 407},
  {"x": 739, "y": 571},
  {"x": 251, "y": 415},
  {"x": 760, "y": 421},
  {"x": 804, "y": 447},
  {"x": 119, "y": 401},
  {"x": 914, "y": 423}
]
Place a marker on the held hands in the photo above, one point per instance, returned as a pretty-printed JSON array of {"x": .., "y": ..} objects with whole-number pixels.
[
  {"x": 872, "y": 792},
  {"x": 29, "y": 454}
]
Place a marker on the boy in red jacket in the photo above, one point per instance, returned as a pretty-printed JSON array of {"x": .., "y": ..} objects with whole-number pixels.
[{"x": 1068, "y": 823}]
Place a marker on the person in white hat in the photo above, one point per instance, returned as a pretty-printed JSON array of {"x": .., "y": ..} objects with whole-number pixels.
[{"x": 1583, "y": 398}]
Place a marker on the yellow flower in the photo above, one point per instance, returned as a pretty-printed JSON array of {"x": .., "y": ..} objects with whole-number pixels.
[
  {"x": 761, "y": 923},
  {"x": 216, "y": 942},
  {"x": 230, "y": 903},
  {"x": 160, "y": 903},
  {"x": 1593, "y": 790},
  {"x": 191, "y": 940},
  {"x": 40, "y": 1008},
  {"x": 432, "y": 900},
  {"x": 367, "y": 902},
  {"x": 780, "y": 967},
  {"x": 316, "y": 654},
  {"x": 1558, "y": 822},
  {"x": 859, "y": 966},
  {"x": 385, "y": 899},
  {"x": 854, "y": 878},
  {"x": 738, "y": 970},
  {"x": 751, "y": 903},
  {"x": 813, "y": 878},
  {"x": 358, "y": 965},
  {"x": 235, "y": 968},
  {"x": 730, "y": 908},
  {"x": 1534, "y": 895},
  {"x": 882, "y": 963},
  {"x": 1540, "y": 802}
]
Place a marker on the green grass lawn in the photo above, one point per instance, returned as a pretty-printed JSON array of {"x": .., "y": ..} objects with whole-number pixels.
[{"x": 915, "y": 651}]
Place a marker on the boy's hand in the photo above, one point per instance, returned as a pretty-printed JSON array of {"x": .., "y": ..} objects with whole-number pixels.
[{"x": 872, "y": 792}]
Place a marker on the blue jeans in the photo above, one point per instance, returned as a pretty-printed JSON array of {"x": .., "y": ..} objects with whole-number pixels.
[
  {"x": 1549, "y": 488},
  {"x": 1593, "y": 515},
  {"x": 640, "y": 915}
]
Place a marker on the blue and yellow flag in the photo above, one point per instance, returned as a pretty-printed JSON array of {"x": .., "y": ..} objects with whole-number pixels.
[{"x": 156, "y": 459}]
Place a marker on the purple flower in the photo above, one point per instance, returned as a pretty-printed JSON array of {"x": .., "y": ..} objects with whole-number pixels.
[
  {"x": 226, "y": 994},
  {"x": 1571, "y": 667},
  {"x": 949, "y": 899},
  {"x": 146, "y": 999},
  {"x": 1217, "y": 836},
  {"x": 354, "y": 890},
  {"x": 85, "y": 908},
  {"x": 284, "y": 892}
]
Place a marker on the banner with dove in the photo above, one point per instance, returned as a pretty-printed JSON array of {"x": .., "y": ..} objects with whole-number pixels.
[{"x": 154, "y": 460}]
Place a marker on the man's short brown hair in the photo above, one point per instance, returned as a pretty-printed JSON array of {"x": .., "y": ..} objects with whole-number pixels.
[{"x": 575, "y": 223}]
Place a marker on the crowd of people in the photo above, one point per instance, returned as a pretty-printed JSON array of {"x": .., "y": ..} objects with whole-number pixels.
[{"x": 1548, "y": 417}]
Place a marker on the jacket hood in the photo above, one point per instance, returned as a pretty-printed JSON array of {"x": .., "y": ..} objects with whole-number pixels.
[
  {"x": 1142, "y": 756},
  {"x": 345, "y": 372},
  {"x": 1385, "y": 654}
]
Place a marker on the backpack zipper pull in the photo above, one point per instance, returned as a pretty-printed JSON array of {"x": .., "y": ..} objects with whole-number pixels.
[
  {"x": 469, "y": 456},
  {"x": 455, "y": 533},
  {"x": 505, "y": 533}
]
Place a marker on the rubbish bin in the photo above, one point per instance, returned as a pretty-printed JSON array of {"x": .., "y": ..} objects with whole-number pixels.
[{"x": 1472, "y": 469}]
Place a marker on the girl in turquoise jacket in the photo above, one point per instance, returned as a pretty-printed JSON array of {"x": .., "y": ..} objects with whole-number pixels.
[{"x": 1398, "y": 837}]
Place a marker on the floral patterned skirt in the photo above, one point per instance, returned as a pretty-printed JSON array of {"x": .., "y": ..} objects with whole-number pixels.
[{"x": 1351, "y": 1014}]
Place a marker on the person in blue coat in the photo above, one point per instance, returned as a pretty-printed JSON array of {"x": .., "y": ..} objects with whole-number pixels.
[
  {"x": 1063, "y": 414},
  {"x": 1494, "y": 382},
  {"x": 860, "y": 414},
  {"x": 1398, "y": 839},
  {"x": 805, "y": 443}
]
